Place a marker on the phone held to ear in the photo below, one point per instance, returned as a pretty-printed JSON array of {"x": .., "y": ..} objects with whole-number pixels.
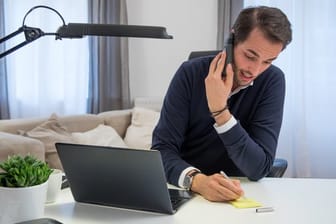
[{"x": 229, "y": 53}]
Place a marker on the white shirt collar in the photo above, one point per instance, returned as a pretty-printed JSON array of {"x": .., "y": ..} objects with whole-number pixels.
[{"x": 240, "y": 88}]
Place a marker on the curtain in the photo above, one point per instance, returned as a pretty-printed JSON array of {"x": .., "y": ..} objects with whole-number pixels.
[
  {"x": 109, "y": 74},
  {"x": 226, "y": 15},
  {"x": 307, "y": 138},
  {"x": 4, "y": 106},
  {"x": 46, "y": 75}
]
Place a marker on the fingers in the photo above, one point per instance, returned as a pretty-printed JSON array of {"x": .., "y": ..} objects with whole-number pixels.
[
  {"x": 217, "y": 188},
  {"x": 230, "y": 189},
  {"x": 236, "y": 182},
  {"x": 229, "y": 75},
  {"x": 217, "y": 65},
  {"x": 218, "y": 88}
]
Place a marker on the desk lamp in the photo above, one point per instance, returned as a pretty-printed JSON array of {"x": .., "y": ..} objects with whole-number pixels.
[{"x": 78, "y": 30}]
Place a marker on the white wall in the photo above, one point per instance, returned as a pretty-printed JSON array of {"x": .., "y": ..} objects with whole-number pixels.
[{"x": 153, "y": 62}]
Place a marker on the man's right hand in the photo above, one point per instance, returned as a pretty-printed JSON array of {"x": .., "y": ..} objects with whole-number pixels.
[
  {"x": 217, "y": 88},
  {"x": 216, "y": 187}
]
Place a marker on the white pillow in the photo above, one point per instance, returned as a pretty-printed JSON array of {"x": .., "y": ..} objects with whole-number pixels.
[
  {"x": 102, "y": 135},
  {"x": 139, "y": 133}
]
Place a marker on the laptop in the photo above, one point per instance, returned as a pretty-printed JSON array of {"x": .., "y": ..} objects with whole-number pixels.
[{"x": 119, "y": 177}]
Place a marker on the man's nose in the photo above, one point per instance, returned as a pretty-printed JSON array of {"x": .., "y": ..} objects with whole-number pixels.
[{"x": 255, "y": 68}]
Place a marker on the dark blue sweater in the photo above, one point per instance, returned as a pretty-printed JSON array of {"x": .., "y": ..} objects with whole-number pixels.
[{"x": 185, "y": 134}]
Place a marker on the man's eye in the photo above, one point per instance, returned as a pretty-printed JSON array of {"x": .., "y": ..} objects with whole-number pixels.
[{"x": 250, "y": 57}]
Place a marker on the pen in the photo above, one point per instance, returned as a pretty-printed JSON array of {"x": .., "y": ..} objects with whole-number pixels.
[
  {"x": 224, "y": 175},
  {"x": 264, "y": 209},
  {"x": 228, "y": 178}
]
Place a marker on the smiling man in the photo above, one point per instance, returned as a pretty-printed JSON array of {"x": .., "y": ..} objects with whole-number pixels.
[{"x": 210, "y": 123}]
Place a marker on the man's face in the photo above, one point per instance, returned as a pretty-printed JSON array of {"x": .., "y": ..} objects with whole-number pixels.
[{"x": 253, "y": 56}]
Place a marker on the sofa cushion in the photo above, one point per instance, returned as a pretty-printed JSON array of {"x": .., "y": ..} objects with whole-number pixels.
[
  {"x": 78, "y": 123},
  {"x": 11, "y": 144},
  {"x": 118, "y": 119},
  {"x": 24, "y": 124},
  {"x": 49, "y": 133},
  {"x": 102, "y": 135},
  {"x": 139, "y": 133}
]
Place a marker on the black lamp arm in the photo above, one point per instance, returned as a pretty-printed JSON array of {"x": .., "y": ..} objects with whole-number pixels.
[{"x": 31, "y": 34}]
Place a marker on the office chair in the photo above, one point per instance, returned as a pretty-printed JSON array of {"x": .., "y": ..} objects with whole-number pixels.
[
  {"x": 279, "y": 165},
  {"x": 279, "y": 168},
  {"x": 197, "y": 54}
]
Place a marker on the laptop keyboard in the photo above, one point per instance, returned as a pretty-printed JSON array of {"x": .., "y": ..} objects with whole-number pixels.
[
  {"x": 176, "y": 202},
  {"x": 178, "y": 197}
]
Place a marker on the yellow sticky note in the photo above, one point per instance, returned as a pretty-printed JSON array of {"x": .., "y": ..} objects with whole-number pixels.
[{"x": 245, "y": 203}]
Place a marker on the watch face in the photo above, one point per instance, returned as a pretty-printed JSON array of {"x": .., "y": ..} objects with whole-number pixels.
[{"x": 187, "y": 181}]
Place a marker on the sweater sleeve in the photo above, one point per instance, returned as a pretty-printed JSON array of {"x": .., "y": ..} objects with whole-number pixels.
[
  {"x": 253, "y": 147},
  {"x": 168, "y": 135}
]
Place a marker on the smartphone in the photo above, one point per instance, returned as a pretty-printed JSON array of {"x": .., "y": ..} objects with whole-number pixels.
[{"x": 229, "y": 53}]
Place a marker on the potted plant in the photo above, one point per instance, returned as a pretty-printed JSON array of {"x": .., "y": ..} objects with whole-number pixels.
[{"x": 23, "y": 188}]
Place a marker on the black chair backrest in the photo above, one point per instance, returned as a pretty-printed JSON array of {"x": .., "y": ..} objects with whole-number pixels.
[
  {"x": 279, "y": 168},
  {"x": 197, "y": 54}
]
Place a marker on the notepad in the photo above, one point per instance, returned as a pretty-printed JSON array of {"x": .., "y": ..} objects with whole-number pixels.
[{"x": 245, "y": 203}]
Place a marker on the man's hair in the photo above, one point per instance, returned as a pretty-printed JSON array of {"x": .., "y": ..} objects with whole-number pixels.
[{"x": 271, "y": 21}]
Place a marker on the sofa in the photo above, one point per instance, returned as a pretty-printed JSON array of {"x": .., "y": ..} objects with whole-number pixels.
[{"x": 130, "y": 128}]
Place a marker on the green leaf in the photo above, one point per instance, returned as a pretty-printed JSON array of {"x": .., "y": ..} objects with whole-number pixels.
[{"x": 23, "y": 171}]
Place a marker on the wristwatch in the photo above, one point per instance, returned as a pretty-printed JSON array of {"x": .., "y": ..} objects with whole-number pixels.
[{"x": 189, "y": 178}]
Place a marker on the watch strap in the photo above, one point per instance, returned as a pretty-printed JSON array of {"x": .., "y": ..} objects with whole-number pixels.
[
  {"x": 194, "y": 173},
  {"x": 191, "y": 176}
]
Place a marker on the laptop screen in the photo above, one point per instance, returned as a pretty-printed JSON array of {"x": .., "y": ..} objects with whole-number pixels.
[{"x": 118, "y": 177}]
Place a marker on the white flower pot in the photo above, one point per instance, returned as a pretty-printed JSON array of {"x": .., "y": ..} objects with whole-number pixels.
[{"x": 22, "y": 204}]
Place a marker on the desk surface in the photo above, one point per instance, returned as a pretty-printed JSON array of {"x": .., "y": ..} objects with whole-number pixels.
[{"x": 294, "y": 201}]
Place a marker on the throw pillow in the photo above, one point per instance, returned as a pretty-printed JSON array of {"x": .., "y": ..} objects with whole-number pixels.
[
  {"x": 49, "y": 133},
  {"x": 101, "y": 135},
  {"x": 139, "y": 133}
]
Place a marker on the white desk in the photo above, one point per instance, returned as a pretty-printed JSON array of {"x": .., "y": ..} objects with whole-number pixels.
[{"x": 294, "y": 201}]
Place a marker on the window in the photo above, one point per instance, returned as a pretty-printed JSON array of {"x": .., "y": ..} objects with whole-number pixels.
[
  {"x": 307, "y": 134},
  {"x": 47, "y": 75}
]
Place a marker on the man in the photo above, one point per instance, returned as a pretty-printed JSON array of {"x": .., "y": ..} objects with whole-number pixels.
[{"x": 211, "y": 123}]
